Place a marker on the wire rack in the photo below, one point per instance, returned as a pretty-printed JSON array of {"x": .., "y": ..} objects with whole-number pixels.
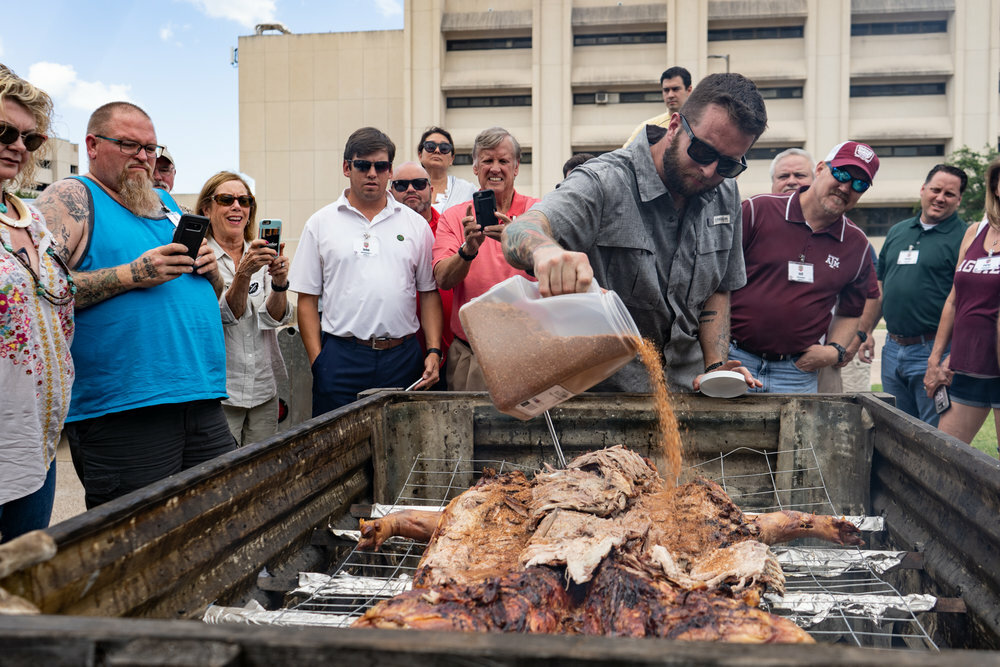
[{"x": 856, "y": 606}]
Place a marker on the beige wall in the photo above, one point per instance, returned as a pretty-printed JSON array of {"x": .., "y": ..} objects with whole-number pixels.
[
  {"x": 64, "y": 161},
  {"x": 301, "y": 95}
]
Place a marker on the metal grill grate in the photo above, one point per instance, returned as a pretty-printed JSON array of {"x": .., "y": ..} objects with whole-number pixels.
[{"x": 825, "y": 604}]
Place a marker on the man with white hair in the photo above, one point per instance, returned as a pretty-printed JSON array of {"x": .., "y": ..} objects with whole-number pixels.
[{"x": 791, "y": 169}]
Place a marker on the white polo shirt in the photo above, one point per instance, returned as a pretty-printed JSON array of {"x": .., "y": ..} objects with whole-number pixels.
[{"x": 367, "y": 274}]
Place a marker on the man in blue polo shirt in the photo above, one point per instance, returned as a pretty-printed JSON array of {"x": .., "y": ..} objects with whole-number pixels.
[{"x": 915, "y": 271}]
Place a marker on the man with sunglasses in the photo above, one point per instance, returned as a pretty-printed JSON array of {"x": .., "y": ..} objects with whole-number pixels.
[
  {"x": 149, "y": 346},
  {"x": 411, "y": 186},
  {"x": 367, "y": 259},
  {"x": 804, "y": 257},
  {"x": 658, "y": 223}
]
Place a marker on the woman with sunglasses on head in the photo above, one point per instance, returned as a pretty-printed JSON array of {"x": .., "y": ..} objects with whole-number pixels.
[
  {"x": 253, "y": 306},
  {"x": 436, "y": 152},
  {"x": 36, "y": 321},
  {"x": 969, "y": 323}
]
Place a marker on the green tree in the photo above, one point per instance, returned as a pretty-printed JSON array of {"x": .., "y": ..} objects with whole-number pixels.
[{"x": 974, "y": 163}]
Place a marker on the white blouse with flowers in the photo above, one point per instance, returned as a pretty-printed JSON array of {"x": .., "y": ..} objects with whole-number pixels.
[{"x": 36, "y": 370}]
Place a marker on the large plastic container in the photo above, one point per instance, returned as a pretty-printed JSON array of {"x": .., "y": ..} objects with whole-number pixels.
[{"x": 536, "y": 353}]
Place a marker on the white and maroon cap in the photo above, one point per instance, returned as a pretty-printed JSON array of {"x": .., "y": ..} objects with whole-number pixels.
[{"x": 857, "y": 154}]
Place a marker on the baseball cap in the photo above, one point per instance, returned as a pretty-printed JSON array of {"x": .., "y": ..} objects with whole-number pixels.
[
  {"x": 854, "y": 153},
  {"x": 165, "y": 153}
]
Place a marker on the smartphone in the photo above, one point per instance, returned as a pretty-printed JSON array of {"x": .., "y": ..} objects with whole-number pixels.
[
  {"x": 941, "y": 400},
  {"x": 191, "y": 231},
  {"x": 270, "y": 231},
  {"x": 485, "y": 204}
]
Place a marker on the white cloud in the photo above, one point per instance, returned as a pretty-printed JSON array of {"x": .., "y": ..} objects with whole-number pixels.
[
  {"x": 247, "y": 13},
  {"x": 166, "y": 33},
  {"x": 1, "y": 48},
  {"x": 62, "y": 83},
  {"x": 389, "y": 8}
]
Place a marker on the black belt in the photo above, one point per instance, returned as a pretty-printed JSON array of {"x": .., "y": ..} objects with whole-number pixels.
[
  {"x": 377, "y": 343},
  {"x": 913, "y": 340},
  {"x": 768, "y": 356}
]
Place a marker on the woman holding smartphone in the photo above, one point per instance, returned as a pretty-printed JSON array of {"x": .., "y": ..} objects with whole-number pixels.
[
  {"x": 253, "y": 306},
  {"x": 36, "y": 321}
]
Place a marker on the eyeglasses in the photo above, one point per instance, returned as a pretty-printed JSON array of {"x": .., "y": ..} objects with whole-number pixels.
[
  {"x": 246, "y": 201},
  {"x": 381, "y": 166},
  {"x": 444, "y": 147},
  {"x": 419, "y": 184},
  {"x": 702, "y": 153},
  {"x": 841, "y": 175},
  {"x": 32, "y": 140},
  {"x": 133, "y": 147}
]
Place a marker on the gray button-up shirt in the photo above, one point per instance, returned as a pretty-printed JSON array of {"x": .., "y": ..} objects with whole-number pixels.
[{"x": 616, "y": 209}]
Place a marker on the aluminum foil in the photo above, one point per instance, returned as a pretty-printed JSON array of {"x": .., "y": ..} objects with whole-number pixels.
[
  {"x": 326, "y": 585},
  {"x": 868, "y": 524},
  {"x": 801, "y": 562},
  {"x": 255, "y": 614},
  {"x": 808, "y": 609}
]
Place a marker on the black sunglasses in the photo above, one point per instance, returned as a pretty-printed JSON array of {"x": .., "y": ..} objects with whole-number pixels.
[
  {"x": 702, "y": 153},
  {"x": 444, "y": 147},
  {"x": 32, "y": 140},
  {"x": 418, "y": 184},
  {"x": 246, "y": 201},
  {"x": 381, "y": 166},
  {"x": 841, "y": 175}
]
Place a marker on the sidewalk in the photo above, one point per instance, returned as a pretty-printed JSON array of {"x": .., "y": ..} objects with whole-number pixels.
[{"x": 69, "y": 490}]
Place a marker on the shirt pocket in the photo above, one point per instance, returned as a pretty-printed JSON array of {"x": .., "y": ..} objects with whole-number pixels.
[
  {"x": 632, "y": 274},
  {"x": 711, "y": 262}
]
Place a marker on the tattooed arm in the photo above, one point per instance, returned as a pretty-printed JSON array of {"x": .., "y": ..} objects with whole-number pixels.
[
  {"x": 528, "y": 245},
  {"x": 713, "y": 336},
  {"x": 66, "y": 207}
]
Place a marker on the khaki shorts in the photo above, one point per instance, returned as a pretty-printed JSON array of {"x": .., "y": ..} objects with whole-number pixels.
[{"x": 463, "y": 372}]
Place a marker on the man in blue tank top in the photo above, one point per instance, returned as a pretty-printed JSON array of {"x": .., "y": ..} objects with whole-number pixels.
[{"x": 149, "y": 346}]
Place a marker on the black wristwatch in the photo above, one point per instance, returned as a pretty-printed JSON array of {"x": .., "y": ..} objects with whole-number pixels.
[
  {"x": 862, "y": 335},
  {"x": 841, "y": 352},
  {"x": 712, "y": 367},
  {"x": 279, "y": 288},
  {"x": 467, "y": 258},
  {"x": 433, "y": 350}
]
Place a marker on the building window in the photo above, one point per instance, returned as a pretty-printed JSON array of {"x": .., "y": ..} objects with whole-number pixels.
[
  {"x": 45, "y": 164},
  {"x": 896, "y": 89},
  {"x": 466, "y": 158},
  {"x": 620, "y": 38},
  {"x": 782, "y": 93},
  {"x": 489, "y": 44},
  {"x": 898, "y": 28},
  {"x": 641, "y": 97},
  {"x": 602, "y": 97},
  {"x": 911, "y": 150},
  {"x": 766, "y": 152},
  {"x": 776, "y": 32},
  {"x": 489, "y": 101},
  {"x": 73, "y": 169},
  {"x": 876, "y": 221}
]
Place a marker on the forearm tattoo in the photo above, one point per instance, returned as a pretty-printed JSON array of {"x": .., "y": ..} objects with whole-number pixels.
[
  {"x": 97, "y": 286},
  {"x": 529, "y": 232}
]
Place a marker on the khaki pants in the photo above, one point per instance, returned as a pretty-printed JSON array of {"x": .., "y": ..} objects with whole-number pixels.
[
  {"x": 829, "y": 381},
  {"x": 249, "y": 425},
  {"x": 463, "y": 373}
]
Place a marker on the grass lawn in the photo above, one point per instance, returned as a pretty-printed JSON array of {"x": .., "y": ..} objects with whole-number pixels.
[{"x": 985, "y": 441}]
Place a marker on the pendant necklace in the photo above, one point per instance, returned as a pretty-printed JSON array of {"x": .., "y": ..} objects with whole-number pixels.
[{"x": 22, "y": 211}]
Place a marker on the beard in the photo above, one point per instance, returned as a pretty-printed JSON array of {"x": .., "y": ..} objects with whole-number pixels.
[
  {"x": 136, "y": 192},
  {"x": 673, "y": 174}
]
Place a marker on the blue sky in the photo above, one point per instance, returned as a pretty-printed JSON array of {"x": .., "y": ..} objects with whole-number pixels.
[{"x": 171, "y": 57}]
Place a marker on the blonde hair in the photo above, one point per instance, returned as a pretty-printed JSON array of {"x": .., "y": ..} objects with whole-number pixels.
[
  {"x": 992, "y": 201},
  {"x": 204, "y": 202},
  {"x": 39, "y": 105}
]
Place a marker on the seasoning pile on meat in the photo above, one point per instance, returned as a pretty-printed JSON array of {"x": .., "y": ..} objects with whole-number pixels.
[{"x": 603, "y": 547}]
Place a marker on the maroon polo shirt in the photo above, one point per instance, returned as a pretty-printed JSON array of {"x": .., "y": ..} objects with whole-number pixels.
[{"x": 776, "y": 315}]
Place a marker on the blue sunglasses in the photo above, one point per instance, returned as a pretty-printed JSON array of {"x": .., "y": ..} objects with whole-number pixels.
[{"x": 841, "y": 175}]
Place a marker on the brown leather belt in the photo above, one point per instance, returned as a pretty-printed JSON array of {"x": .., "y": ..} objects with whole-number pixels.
[
  {"x": 376, "y": 343},
  {"x": 912, "y": 340}
]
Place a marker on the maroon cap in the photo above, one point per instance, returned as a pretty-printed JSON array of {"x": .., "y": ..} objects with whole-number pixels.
[{"x": 857, "y": 154}]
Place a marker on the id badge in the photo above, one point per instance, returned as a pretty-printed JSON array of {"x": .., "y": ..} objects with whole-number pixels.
[
  {"x": 366, "y": 246},
  {"x": 800, "y": 272},
  {"x": 174, "y": 217},
  {"x": 907, "y": 257},
  {"x": 987, "y": 264}
]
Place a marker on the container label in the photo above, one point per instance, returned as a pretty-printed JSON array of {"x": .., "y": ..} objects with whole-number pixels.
[{"x": 539, "y": 403}]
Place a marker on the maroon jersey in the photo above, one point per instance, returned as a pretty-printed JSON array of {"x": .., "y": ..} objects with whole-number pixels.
[
  {"x": 778, "y": 315},
  {"x": 977, "y": 300}
]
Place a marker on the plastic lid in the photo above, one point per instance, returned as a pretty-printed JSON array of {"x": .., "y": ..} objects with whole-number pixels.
[{"x": 723, "y": 384}]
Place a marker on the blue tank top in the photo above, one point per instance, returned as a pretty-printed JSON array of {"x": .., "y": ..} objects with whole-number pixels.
[{"x": 149, "y": 346}]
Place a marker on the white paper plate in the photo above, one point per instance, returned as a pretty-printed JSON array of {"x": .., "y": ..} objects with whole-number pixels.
[{"x": 723, "y": 384}]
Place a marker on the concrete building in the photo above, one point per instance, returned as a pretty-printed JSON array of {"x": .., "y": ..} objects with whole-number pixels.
[
  {"x": 61, "y": 160},
  {"x": 914, "y": 78}
]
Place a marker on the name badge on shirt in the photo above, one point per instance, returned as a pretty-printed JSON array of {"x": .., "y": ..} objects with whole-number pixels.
[
  {"x": 907, "y": 257},
  {"x": 720, "y": 220},
  {"x": 987, "y": 264},
  {"x": 174, "y": 217},
  {"x": 366, "y": 246},
  {"x": 800, "y": 272}
]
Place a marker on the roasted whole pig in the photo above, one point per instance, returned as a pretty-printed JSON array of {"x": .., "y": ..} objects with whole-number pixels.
[{"x": 602, "y": 547}]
